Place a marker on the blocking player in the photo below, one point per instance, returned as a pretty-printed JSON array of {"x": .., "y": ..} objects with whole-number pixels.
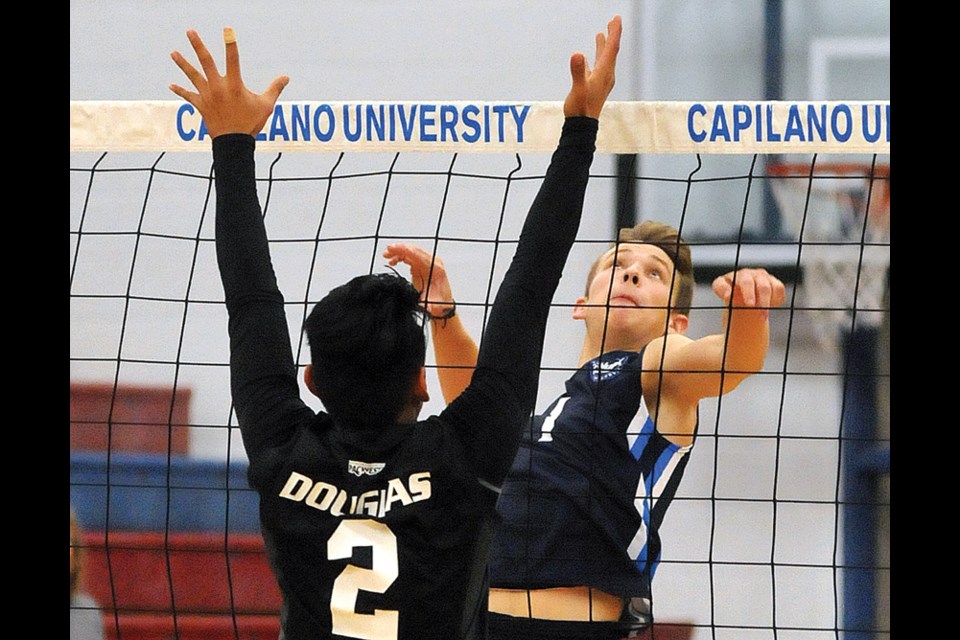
[
  {"x": 376, "y": 522},
  {"x": 595, "y": 473}
]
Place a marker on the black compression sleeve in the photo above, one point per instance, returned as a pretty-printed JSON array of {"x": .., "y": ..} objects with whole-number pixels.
[
  {"x": 242, "y": 251},
  {"x": 491, "y": 412},
  {"x": 262, "y": 370},
  {"x": 513, "y": 340}
]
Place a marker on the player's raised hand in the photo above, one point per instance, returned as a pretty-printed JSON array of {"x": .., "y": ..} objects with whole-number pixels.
[
  {"x": 590, "y": 88},
  {"x": 750, "y": 288},
  {"x": 428, "y": 274},
  {"x": 224, "y": 102}
]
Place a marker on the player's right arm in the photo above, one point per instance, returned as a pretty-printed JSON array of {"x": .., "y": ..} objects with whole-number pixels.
[
  {"x": 502, "y": 394},
  {"x": 454, "y": 349},
  {"x": 716, "y": 364},
  {"x": 679, "y": 372}
]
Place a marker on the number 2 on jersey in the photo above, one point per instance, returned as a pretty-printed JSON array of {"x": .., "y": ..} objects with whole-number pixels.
[{"x": 349, "y": 535}]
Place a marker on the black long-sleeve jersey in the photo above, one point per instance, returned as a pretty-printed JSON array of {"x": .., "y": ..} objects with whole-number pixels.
[{"x": 384, "y": 534}]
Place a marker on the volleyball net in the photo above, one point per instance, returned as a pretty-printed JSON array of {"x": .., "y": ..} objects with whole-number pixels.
[{"x": 773, "y": 530}]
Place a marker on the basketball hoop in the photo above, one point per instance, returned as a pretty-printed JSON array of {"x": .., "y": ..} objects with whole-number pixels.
[{"x": 840, "y": 216}]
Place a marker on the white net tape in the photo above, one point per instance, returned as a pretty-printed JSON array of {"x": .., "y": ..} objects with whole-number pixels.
[{"x": 844, "y": 244}]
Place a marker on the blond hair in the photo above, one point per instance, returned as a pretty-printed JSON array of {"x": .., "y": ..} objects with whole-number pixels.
[{"x": 669, "y": 240}]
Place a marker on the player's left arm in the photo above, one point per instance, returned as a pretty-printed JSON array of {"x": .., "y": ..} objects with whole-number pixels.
[
  {"x": 262, "y": 370},
  {"x": 690, "y": 370}
]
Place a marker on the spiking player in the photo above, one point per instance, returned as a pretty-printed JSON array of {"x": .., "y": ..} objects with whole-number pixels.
[
  {"x": 576, "y": 552},
  {"x": 376, "y": 522}
]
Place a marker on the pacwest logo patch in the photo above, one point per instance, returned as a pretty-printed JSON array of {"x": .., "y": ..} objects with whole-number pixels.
[{"x": 364, "y": 468}]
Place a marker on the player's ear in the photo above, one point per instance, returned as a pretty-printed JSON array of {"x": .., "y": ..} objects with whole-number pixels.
[
  {"x": 420, "y": 392},
  {"x": 679, "y": 323},
  {"x": 579, "y": 311},
  {"x": 308, "y": 379}
]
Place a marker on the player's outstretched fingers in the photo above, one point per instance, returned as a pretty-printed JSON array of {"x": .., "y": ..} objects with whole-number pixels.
[
  {"x": 232, "y": 54},
  {"x": 608, "y": 45},
  {"x": 580, "y": 101},
  {"x": 207, "y": 63}
]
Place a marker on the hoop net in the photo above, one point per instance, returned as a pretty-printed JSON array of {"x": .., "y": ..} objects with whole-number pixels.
[{"x": 840, "y": 215}]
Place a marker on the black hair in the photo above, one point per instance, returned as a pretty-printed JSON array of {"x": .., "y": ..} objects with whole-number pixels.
[{"x": 367, "y": 346}]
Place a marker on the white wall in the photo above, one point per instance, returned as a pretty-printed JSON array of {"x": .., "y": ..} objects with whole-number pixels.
[{"x": 774, "y": 438}]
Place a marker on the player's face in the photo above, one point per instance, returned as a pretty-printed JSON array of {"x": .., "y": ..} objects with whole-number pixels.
[{"x": 628, "y": 297}]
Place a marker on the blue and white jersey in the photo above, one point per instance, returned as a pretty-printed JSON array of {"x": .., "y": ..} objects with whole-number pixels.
[{"x": 587, "y": 492}]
